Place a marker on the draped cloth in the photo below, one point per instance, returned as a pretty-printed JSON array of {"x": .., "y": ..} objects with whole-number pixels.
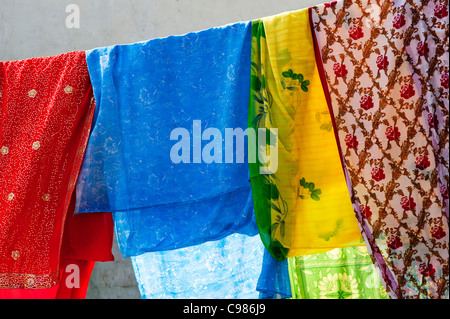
[
  {"x": 87, "y": 239},
  {"x": 234, "y": 267},
  {"x": 274, "y": 281},
  {"x": 46, "y": 107},
  {"x": 342, "y": 273},
  {"x": 386, "y": 66},
  {"x": 155, "y": 158},
  {"x": 228, "y": 268},
  {"x": 301, "y": 203},
  {"x": 189, "y": 225}
]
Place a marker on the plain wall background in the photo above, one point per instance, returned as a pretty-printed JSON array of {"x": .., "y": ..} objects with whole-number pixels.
[{"x": 37, "y": 28}]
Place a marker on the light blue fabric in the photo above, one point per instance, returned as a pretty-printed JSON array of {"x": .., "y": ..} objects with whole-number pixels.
[
  {"x": 144, "y": 91},
  {"x": 225, "y": 269}
]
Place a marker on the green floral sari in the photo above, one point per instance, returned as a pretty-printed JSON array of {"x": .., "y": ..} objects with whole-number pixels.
[{"x": 343, "y": 273}]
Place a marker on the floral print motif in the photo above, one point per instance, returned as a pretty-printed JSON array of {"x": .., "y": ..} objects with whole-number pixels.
[
  {"x": 393, "y": 99},
  {"x": 351, "y": 141},
  {"x": 366, "y": 102},
  {"x": 399, "y": 21},
  {"x": 392, "y": 133},
  {"x": 365, "y": 211},
  {"x": 440, "y": 11},
  {"x": 382, "y": 62},
  {"x": 346, "y": 273},
  {"x": 394, "y": 242},
  {"x": 438, "y": 232},
  {"x": 378, "y": 174},
  {"x": 422, "y": 162},
  {"x": 340, "y": 69},
  {"x": 355, "y": 32},
  {"x": 426, "y": 270},
  {"x": 308, "y": 190},
  {"x": 408, "y": 203},
  {"x": 422, "y": 48},
  {"x": 407, "y": 91},
  {"x": 445, "y": 80}
]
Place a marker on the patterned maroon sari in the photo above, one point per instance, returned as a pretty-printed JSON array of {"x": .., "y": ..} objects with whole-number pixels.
[{"x": 386, "y": 66}]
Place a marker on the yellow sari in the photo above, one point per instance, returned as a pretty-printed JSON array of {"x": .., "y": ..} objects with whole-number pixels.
[{"x": 302, "y": 203}]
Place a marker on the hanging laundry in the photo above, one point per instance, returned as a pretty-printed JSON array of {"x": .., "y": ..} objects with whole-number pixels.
[
  {"x": 386, "y": 66},
  {"x": 87, "y": 238},
  {"x": 342, "y": 273},
  {"x": 274, "y": 281},
  {"x": 303, "y": 206},
  {"x": 224, "y": 269},
  {"x": 151, "y": 98},
  {"x": 176, "y": 219},
  {"x": 46, "y": 107}
]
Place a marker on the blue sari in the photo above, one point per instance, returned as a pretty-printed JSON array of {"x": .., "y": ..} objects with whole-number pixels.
[
  {"x": 175, "y": 214},
  {"x": 144, "y": 91}
]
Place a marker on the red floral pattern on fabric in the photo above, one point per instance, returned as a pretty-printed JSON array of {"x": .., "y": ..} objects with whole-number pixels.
[
  {"x": 382, "y": 62},
  {"x": 392, "y": 133},
  {"x": 46, "y": 107},
  {"x": 386, "y": 66},
  {"x": 398, "y": 21},
  {"x": 351, "y": 141}
]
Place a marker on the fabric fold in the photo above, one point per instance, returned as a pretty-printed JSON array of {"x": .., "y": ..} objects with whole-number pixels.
[
  {"x": 274, "y": 281},
  {"x": 228, "y": 268},
  {"x": 168, "y": 157}
]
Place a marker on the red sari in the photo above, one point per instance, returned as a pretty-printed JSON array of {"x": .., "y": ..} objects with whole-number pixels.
[{"x": 46, "y": 107}]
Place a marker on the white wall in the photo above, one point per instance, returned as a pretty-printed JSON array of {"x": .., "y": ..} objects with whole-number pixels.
[
  {"x": 32, "y": 28},
  {"x": 36, "y": 28}
]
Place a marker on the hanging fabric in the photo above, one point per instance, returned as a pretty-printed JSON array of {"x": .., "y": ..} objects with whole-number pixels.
[
  {"x": 224, "y": 269},
  {"x": 87, "y": 238},
  {"x": 167, "y": 214},
  {"x": 386, "y": 66},
  {"x": 342, "y": 273},
  {"x": 46, "y": 107},
  {"x": 301, "y": 203},
  {"x": 274, "y": 281},
  {"x": 155, "y": 157}
]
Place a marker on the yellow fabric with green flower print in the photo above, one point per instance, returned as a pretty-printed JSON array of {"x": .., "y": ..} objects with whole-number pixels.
[{"x": 306, "y": 196}]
